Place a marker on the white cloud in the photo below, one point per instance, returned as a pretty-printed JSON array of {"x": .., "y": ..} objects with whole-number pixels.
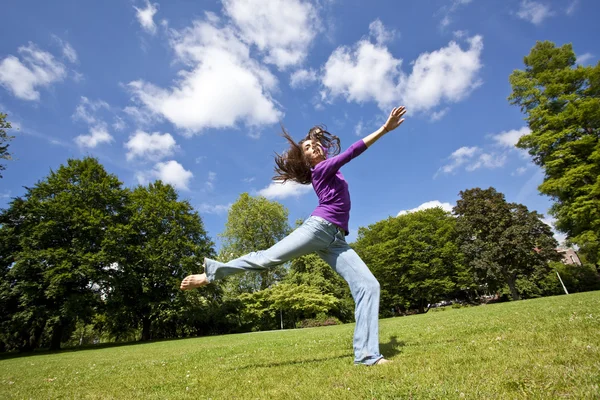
[
  {"x": 86, "y": 110},
  {"x": 68, "y": 51},
  {"x": 458, "y": 158},
  {"x": 37, "y": 68},
  {"x": 380, "y": 33},
  {"x": 369, "y": 72},
  {"x": 145, "y": 17},
  {"x": 170, "y": 172},
  {"x": 534, "y": 12},
  {"x": 119, "y": 124},
  {"x": 519, "y": 171},
  {"x": 281, "y": 29},
  {"x": 210, "y": 182},
  {"x": 571, "y": 9},
  {"x": 584, "y": 58},
  {"x": 213, "y": 208},
  {"x": 487, "y": 160},
  {"x": 448, "y": 11},
  {"x": 249, "y": 180},
  {"x": 151, "y": 146},
  {"x": 223, "y": 86},
  {"x": 559, "y": 236},
  {"x": 437, "y": 115},
  {"x": 449, "y": 74},
  {"x": 303, "y": 77},
  {"x": 510, "y": 138},
  {"x": 358, "y": 129},
  {"x": 278, "y": 190},
  {"x": 429, "y": 204},
  {"x": 98, "y": 135}
]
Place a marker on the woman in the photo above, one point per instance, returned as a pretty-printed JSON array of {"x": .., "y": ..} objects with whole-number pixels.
[{"x": 323, "y": 232}]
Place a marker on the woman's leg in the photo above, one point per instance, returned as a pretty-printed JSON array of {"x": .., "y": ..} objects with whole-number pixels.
[
  {"x": 314, "y": 234},
  {"x": 365, "y": 292}
]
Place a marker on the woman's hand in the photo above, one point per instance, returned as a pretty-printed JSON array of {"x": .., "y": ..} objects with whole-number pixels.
[{"x": 395, "y": 119}]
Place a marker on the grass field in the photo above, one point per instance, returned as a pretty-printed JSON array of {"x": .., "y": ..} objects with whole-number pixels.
[{"x": 542, "y": 348}]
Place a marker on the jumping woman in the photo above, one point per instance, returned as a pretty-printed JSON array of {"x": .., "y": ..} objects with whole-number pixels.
[{"x": 316, "y": 159}]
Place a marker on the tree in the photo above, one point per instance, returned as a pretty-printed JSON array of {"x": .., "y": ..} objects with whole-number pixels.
[
  {"x": 164, "y": 240},
  {"x": 502, "y": 241},
  {"x": 415, "y": 258},
  {"x": 4, "y": 138},
  {"x": 57, "y": 260},
  {"x": 562, "y": 104},
  {"x": 253, "y": 223}
]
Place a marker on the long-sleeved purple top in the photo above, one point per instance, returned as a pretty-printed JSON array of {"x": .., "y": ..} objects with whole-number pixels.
[{"x": 332, "y": 188}]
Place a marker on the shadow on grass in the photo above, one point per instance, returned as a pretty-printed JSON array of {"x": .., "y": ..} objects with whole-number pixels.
[{"x": 391, "y": 348}]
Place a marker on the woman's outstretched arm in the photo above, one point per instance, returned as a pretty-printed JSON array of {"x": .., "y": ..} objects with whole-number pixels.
[{"x": 393, "y": 121}]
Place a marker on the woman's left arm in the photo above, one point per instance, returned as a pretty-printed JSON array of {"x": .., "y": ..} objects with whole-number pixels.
[{"x": 393, "y": 121}]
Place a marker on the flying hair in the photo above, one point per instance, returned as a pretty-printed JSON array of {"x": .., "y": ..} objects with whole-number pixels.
[{"x": 292, "y": 165}]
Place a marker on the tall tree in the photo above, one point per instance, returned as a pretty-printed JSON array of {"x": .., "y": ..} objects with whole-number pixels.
[
  {"x": 163, "y": 241},
  {"x": 562, "y": 104},
  {"x": 415, "y": 257},
  {"x": 502, "y": 241},
  {"x": 58, "y": 262},
  {"x": 4, "y": 139},
  {"x": 253, "y": 223}
]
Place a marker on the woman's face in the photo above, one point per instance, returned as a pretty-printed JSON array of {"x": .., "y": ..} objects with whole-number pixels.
[{"x": 313, "y": 152}]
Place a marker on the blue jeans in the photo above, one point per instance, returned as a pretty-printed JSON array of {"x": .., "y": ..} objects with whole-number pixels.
[{"x": 328, "y": 241}]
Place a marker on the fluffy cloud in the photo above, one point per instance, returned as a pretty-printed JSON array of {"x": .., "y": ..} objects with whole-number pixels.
[
  {"x": 36, "y": 68},
  {"x": 429, "y": 204},
  {"x": 534, "y": 12},
  {"x": 447, "y": 11},
  {"x": 278, "y": 190},
  {"x": 98, "y": 135},
  {"x": 584, "y": 58},
  {"x": 210, "y": 182},
  {"x": 68, "y": 51},
  {"x": 281, "y": 29},
  {"x": 380, "y": 33},
  {"x": 213, "y": 208},
  {"x": 472, "y": 158},
  {"x": 303, "y": 77},
  {"x": 152, "y": 146},
  {"x": 369, "y": 72},
  {"x": 145, "y": 17},
  {"x": 222, "y": 86},
  {"x": 170, "y": 172},
  {"x": 510, "y": 138},
  {"x": 86, "y": 110}
]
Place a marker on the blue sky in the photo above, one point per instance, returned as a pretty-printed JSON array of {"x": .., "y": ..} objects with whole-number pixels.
[{"x": 192, "y": 92}]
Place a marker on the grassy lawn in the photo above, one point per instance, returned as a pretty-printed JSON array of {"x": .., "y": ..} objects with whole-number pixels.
[{"x": 542, "y": 348}]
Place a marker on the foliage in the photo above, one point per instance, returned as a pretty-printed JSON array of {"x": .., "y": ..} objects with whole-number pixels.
[
  {"x": 56, "y": 255},
  {"x": 4, "y": 139},
  {"x": 502, "y": 241},
  {"x": 253, "y": 223},
  {"x": 415, "y": 258},
  {"x": 296, "y": 301},
  {"x": 160, "y": 244},
  {"x": 562, "y": 104}
]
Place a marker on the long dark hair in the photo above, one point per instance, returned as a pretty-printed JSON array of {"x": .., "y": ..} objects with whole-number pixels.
[{"x": 292, "y": 165}]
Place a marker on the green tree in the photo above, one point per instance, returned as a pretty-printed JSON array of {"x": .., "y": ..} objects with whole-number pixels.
[
  {"x": 162, "y": 242},
  {"x": 502, "y": 241},
  {"x": 253, "y": 224},
  {"x": 562, "y": 103},
  {"x": 4, "y": 139},
  {"x": 415, "y": 257},
  {"x": 56, "y": 254}
]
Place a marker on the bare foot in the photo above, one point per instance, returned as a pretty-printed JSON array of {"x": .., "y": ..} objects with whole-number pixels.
[
  {"x": 193, "y": 281},
  {"x": 382, "y": 361}
]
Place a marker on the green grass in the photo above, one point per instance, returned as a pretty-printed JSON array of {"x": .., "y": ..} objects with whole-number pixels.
[{"x": 542, "y": 348}]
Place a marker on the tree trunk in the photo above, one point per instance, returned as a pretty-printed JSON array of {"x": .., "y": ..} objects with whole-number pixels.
[
  {"x": 511, "y": 281},
  {"x": 57, "y": 333},
  {"x": 146, "y": 324}
]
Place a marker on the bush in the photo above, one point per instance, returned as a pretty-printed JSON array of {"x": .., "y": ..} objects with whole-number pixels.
[{"x": 319, "y": 320}]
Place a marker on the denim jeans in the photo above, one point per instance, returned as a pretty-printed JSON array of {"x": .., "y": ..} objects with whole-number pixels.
[{"x": 327, "y": 240}]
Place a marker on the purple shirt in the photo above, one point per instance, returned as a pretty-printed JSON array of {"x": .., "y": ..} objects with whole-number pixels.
[{"x": 332, "y": 189}]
